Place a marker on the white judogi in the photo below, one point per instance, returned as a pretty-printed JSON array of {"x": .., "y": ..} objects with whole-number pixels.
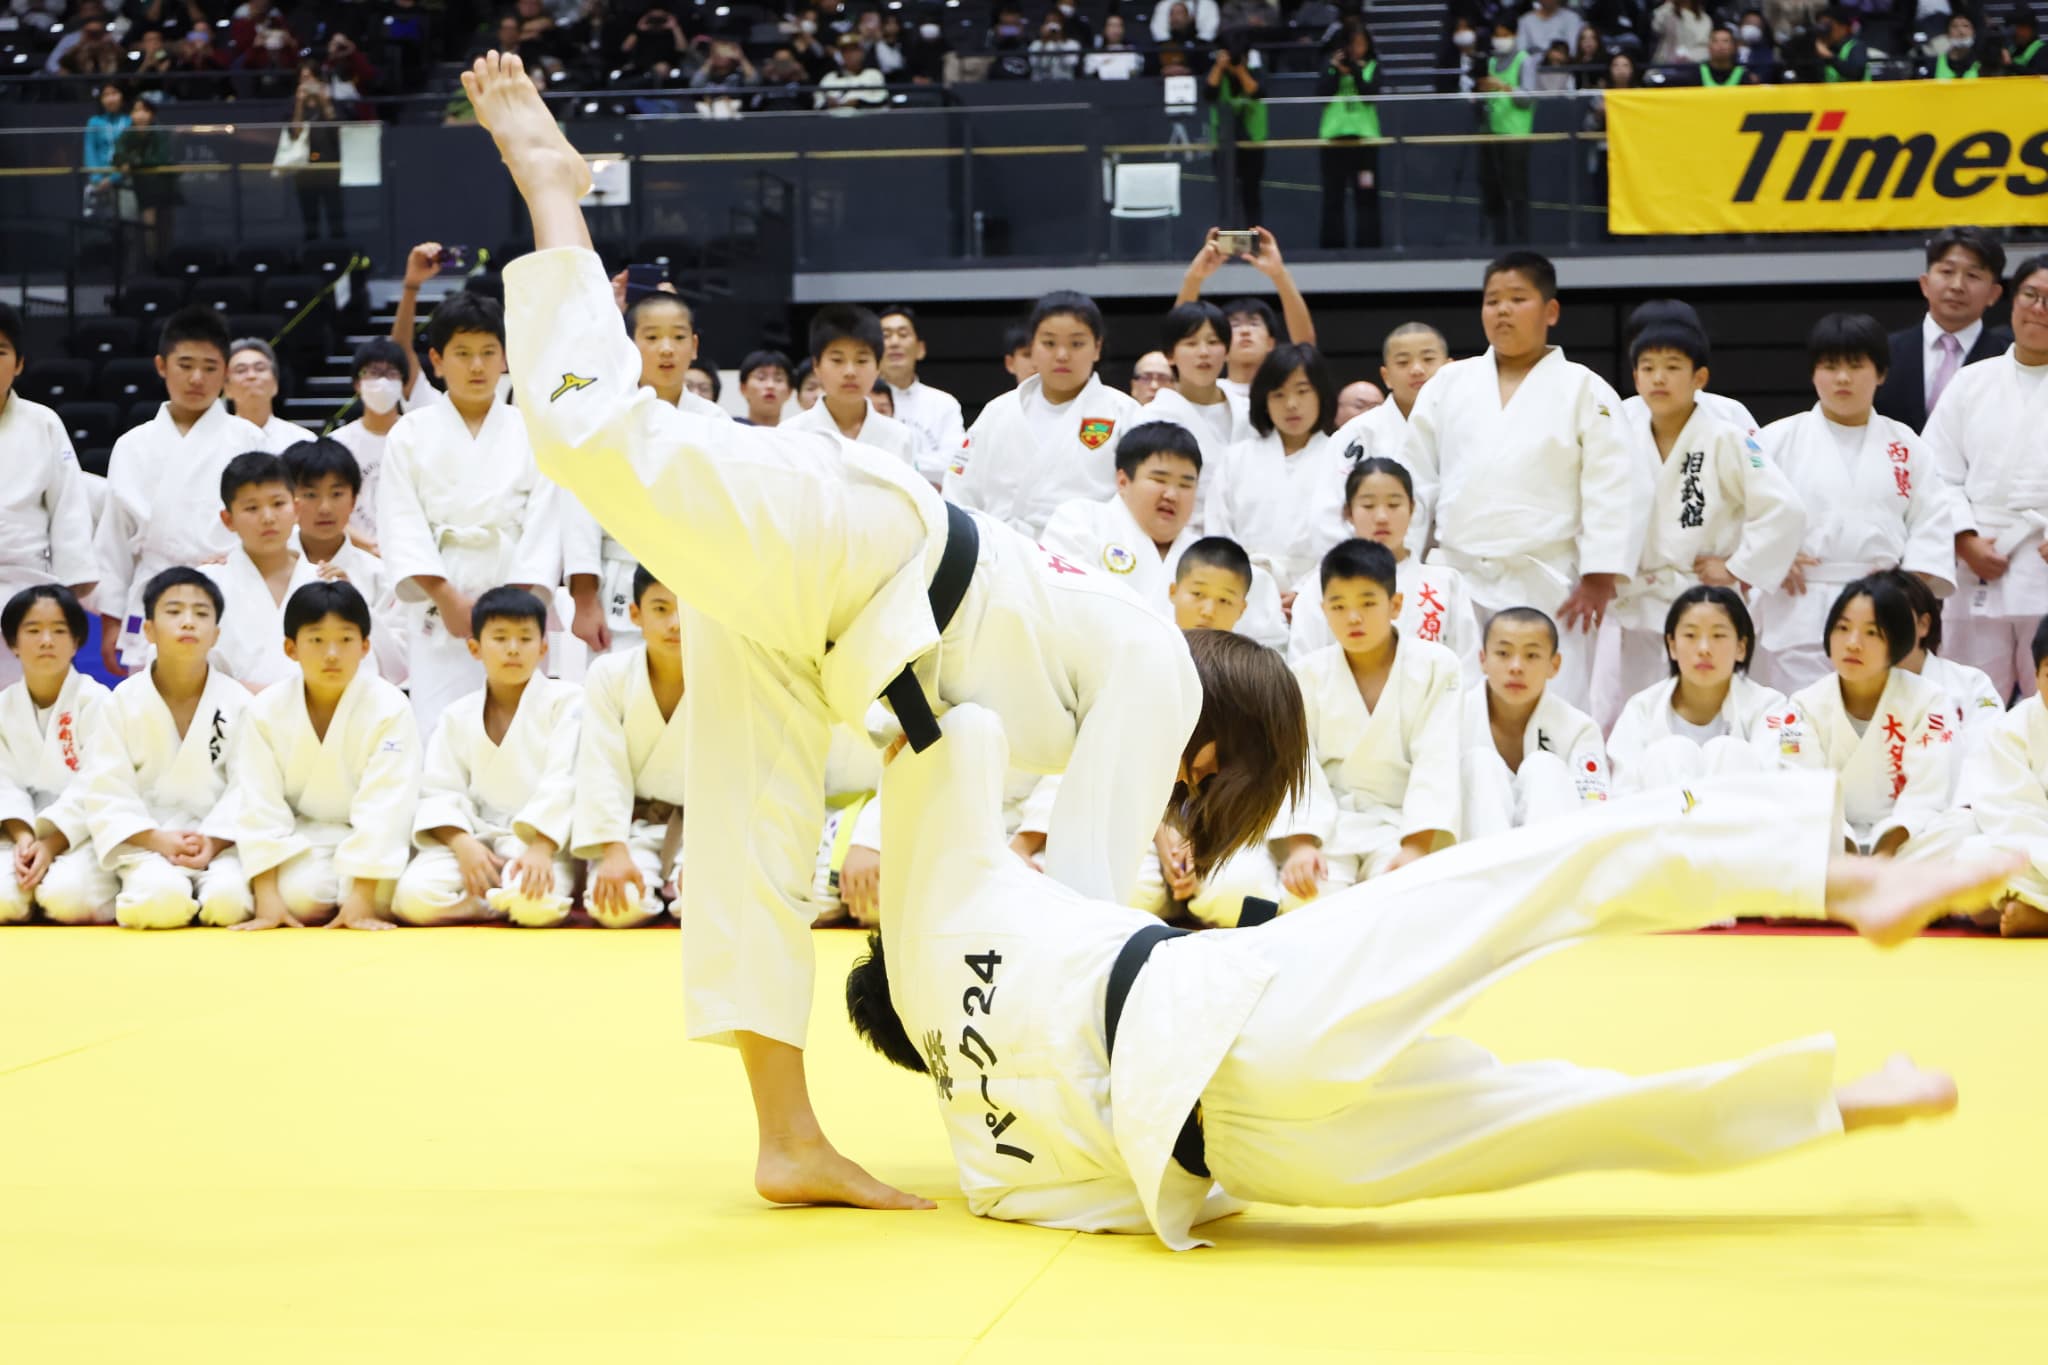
[
  {"x": 1527, "y": 498},
  {"x": 1715, "y": 494},
  {"x": 1103, "y": 537},
  {"x": 877, "y": 429},
  {"x": 45, "y": 509},
  {"x": 251, "y": 647},
  {"x": 1564, "y": 764},
  {"x": 143, "y": 775},
  {"x": 631, "y": 763},
  {"x": 1311, "y": 1043},
  {"x": 789, "y": 543},
  {"x": 1216, "y": 427},
  {"x": 163, "y": 508},
  {"x": 2004, "y": 787},
  {"x": 1883, "y": 507},
  {"x": 937, "y": 428},
  {"x": 326, "y": 812},
  {"x": 1023, "y": 456},
  {"x": 1434, "y": 607},
  {"x": 367, "y": 574},
  {"x": 1650, "y": 747},
  {"x": 1376, "y": 777},
  {"x": 1989, "y": 440},
  {"x": 41, "y": 757},
  {"x": 368, "y": 448},
  {"x": 474, "y": 510},
  {"x": 1285, "y": 510},
  {"x": 1973, "y": 701},
  {"x": 1717, "y": 405},
  {"x": 1382, "y": 434},
  {"x": 1895, "y": 774},
  {"x": 505, "y": 795},
  {"x": 280, "y": 435}
]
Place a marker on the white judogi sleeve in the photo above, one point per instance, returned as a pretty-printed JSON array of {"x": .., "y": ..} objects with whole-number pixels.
[
  {"x": 1895, "y": 775},
  {"x": 445, "y": 800},
  {"x": 1104, "y": 537},
  {"x": 877, "y": 429},
  {"x": 1005, "y": 470},
  {"x": 1392, "y": 772},
  {"x": 603, "y": 809},
  {"x": 251, "y": 646},
  {"x": 1382, "y": 434},
  {"x": 1752, "y": 714},
  {"x": 1990, "y": 447},
  {"x": 936, "y": 424},
  {"x": 40, "y": 768},
  {"x": 1285, "y": 510},
  {"x": 46, "y": 531},
  {"x": 2005, "y": 787},
  {"x": 550, "y": 810},
  {"x": 141, "y": 775}
]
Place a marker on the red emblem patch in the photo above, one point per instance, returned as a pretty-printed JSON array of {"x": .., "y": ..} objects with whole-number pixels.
[{"x": 1095, "y": 431}]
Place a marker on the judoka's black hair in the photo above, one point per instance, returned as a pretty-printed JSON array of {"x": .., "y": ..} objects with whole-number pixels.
[
  {"x": 1849, "y": 336},
  {"x": 18, "y": 607},
  {"x": 1924, "y": 603},
  {"x": 1252, "y": 712},
  {"x": 767, "y": 360},
  {"x": 874, "y": 1014},
  {"x": 1360, "y": 558},
  {"x": 1147, "y": 439},
  {"x": 1066, "y": 303},
  {"x": 1279, "y": 365},
  {"x": 1216, "y": 552},
  {"x": 1712, "y": 595},
  {"x": 1889, "y": 604},
  {"x": 1377, "y": 464},
  {"x": 11, "y": 329},
  {"x": 506, "y": 603},
  {"x": 845, "y": 322},
  {"x": 2041, "y": 644},
  {"x": 1528, "y": 616},
  {"x": 710, "y": 371},
  {"x": 904, "y": 311},
  {"x": 315, "y": 602},
  {"x": 1532, "y": 266},
  {"x": 181, "y": 576},
  {"x": 1253, "y": 308},
  {"x": 1689, "y": 342},
  {"x": 1652, "y": 312},
  {"x": 1188, "y": 318},
  {"x": 308, "y": 462},
  {"x": 642, "y": 581},
  {"x": 464, "y": 311},
  {"x": 658, "y": 299},
  {"x": 1016, "y": 337},
  {"x": 2032, "y": 265},
  {"x": 249, "y": 469},
  {"x": 198, "y": 324},
  {"x": 373, "y": 351}
]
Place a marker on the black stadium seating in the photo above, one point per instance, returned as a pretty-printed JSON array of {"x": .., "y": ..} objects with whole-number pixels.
[
  {"x": 90, "y": 424},
  {"x": 224, "y": 294},
  {"x": 100, "y": 338},
  {"x": 151, "y": 298},
  {"x": 263, "y": 260},
  {"x": 127, "y": 379},
  {"x": 193, "y": 259},
  {"x": 57, "y": 382}
]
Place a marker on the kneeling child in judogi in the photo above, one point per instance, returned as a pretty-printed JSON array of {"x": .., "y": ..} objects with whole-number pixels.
[
  {"x": 2005, "y": 790},
  {"x": 495, "y": 800},
  {"x": 45, "y": 726},
  {"x": 1709, "y": 718},
  {"x": 1529, "y": 755},
  {"x": 1973, "y": 699},
  {"x": 156, "y": 779}
]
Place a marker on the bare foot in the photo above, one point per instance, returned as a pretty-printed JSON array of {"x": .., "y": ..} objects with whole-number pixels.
[
  {"x": 1899, "y": 1092},
  {"x": 813, "y": 1172},
  {"x": 2017, "y": 919},
  {"x": 1888, "y": 902},
  {"x": 528, "y": 139}
]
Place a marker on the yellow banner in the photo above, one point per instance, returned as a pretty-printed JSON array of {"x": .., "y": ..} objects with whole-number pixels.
[{"x": 1828, "y": 158}]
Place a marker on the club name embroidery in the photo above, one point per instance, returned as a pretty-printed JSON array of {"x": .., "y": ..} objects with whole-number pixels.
[
  {"x": 1902, "y": 474},
  {"x": 976, "y": 1049},
  {"x": 218, "y": 738},
  {"x": 1432, "y": 627},
  {"x": 1692, "y": 503},
  {"x": 67, "y": 740},
  {"x": 1895, "y": 753}
]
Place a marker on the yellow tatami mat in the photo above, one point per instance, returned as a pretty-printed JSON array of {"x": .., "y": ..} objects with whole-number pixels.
[{"x": 486, "y": 1145}]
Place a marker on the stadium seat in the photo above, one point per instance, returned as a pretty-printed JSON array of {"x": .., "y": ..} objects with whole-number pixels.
[
  {"x": 99, "y": 338},
  {"x": 90, "y": 424},
  {"x": 327, "y": 259},
  {"x": 93, "y": 459},
  {"x": 128, "y": 379},
  {"x": 263, "y": 260},
  {"x": 55, "y": 382},
  {"x": 225, "y": 295},
  {"x": 673, "y": 252},
  {"x": 194, "y": 259},
  {"x": 287, "y": 294},
  {"x": 151, "y": 298}
]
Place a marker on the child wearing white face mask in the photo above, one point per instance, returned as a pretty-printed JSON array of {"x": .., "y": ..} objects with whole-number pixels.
[{"x": 378, "y": 372}]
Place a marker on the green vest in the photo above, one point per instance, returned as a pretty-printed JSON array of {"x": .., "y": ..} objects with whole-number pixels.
[
  {"x": 2023, "y": 59},
  {"x": 1507, "y": 115},
  {"x": 1735, "y": 77},
  {"x": 1832, "y": 73},
  {"x": 1351, "y": 114},
  {"x": 1944, "y": 72},
  {"x": 1250, "y": 111}
]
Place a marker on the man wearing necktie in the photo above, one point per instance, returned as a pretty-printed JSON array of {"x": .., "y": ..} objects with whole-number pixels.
[{"x": 1965, "y": 271}]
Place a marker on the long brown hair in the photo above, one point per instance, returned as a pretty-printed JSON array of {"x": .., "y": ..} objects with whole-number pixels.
[{"x": 1252, "y": 712}]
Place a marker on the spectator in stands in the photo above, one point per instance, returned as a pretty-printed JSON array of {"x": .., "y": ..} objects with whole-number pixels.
[
  {"x": 1186, "y": 22},
  {"x": 1547, "y": 22},
  {"x": 503, "y": 38},
  {"x": 1114, "y": 59},
  {"x": 1054, "y": 55},
  {"x": 891, "y": 50},
  {"x": 1755, "y": 52},
  {"x": 349, "y": 75},
  {"x": 784, "y": 83},
  {"x": 804, "y": 45},
  {"x": 318, "y": 180},
  {"x": 1504, "y": 165},
  {"x": 1589, "y": 57},
  {"x": 88, "y": 25},
  {"x": 727, "y": 68},
  {"x": 2029, "y": 49},
  {"x": 1457, "y": 57},
  {"x": 1958, "y": 60},
  {"x": 1721, "y": 67},
  {"x": 96, "y": 53},
  {"x": 1621, "y": 23},
  {"x": 1842, "y": 53},
  {"x": 194, "y": 59},
  {"x": 1078, "y": 25},
  {"x": 1555, "y": 71},
  {"x": 1682, "y": 28},
  {"x": 261, "y": 41},
  {"x": 1234, "y": 88},
  {"x": 150, "y": 61},
  {"x": 1350, "y": 124},
  {"x": 1009, "y": 42},
  {"x": 855, "y": 84},
  {"x": 657, "y": 36},
  {"x": 924, "y": 58},
  {"x": 102, "y": 133},
  {"x": 142, "y": 154}
]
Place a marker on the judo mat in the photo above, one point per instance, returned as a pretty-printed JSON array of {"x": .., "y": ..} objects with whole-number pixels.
[{"x": 488, "y": 1145}]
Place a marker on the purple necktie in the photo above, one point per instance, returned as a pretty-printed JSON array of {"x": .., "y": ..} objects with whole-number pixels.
[{"x": 1951, "y": 357}]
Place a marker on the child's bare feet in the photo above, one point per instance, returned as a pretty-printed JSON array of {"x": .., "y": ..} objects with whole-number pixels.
[
  {"x": 1899, "y": 1092},
  {"x": 1888, "y": 902},
  {"x": 2017, "y": 919},
  {"x": 533, "y": 147}
]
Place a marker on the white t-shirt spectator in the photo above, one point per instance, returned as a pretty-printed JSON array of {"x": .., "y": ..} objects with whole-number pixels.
[
  {"x": 1537, "y": 31},
  {"x": 1207, "y": 18},
  {"x": 1115, "y": 64},
  {"x": 1682, "y": 34},
  {"x": 1055, "y": 61},
  {"x": 841, "y": 91}
]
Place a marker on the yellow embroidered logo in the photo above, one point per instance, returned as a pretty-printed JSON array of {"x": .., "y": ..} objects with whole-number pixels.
[{"x": 570, "y": 383}]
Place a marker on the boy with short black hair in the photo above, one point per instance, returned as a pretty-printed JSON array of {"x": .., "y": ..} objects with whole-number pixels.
[
  {"x": 629, "y": 768},
  {"x": 1042, "y": 443},
  {"x": 1138, "y": 534},
  {"x": 1528, "y": 754},
  {"x": 846, "y": 350},
  {"x": 261, "y": 573},
  {"x": 765, "y": 384},
  {"x": 46, "y": 725},
  {"x": 162, "y": 479},
  {"x": 157, "y": 777},
  {"x": 326, "y": 773},
  {"x": 45, "y": 502},
  {"x": 933, "y": 415},
  {"x": 326, "y": 486},
  {"x": 377, "y": 375},
  {"x": 1017, "y": 359},
  {"x": 493, "y": 823},
  {"x": 1212, "y": 585},
  {"x": 1410, "y": 356}
]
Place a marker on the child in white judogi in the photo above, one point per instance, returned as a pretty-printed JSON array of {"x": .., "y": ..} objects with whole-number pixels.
[
  {"x": 326, "y": 481},
  {"x": 1709, "y": 718},
  {"x": 156, "y": 780},
  {"x": 1973, "y": 700},
  {"x": 2004, "y": 795},
  {"x": 1521, "y": 460},
  {"x": 1385, "y": 713},
  {"x": 1885, "y": 732},
  {"x": 326, "y": 773},
  {"x": 1529, "y": 755},
  {"x": 846, "y": 355},
  {"x": 462, "y": 507},
  {"x": 1873, "y": 498},
  {"x": 46, "y": 725},
  {"x": 1666, "y": 313},
  {"x": 377, "y": 371},
  {"x": 1097, "y": 1072},
  {"x": 45, "y": 508},
  {"x": 1196, "y": 339},
  {"x": 261, "y": 573},
  {"x": 1139, "y": 533},
  {"x": 499, "y": 785},
  {"x": 629, "y": 768},
  {"x": 1281, "y": 495},
  {"x": 163, "y": 481},
  {"x": 1410, "y": 356},
  {"x": 1379, "y": 503},
  {"x": 1049, "y": 440},
  {"x": 1989, "y": 440},
  {"x": 933, "y": 415},
  {"x": 1721, "y": 513}
]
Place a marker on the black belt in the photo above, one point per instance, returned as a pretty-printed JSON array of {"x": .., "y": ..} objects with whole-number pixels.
[
  {"x": 1188, "y": 1149},
  {"x": 949, "y": 585}
]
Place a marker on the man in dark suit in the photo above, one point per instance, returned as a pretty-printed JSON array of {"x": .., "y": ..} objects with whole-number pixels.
[{"x": 1965, "y": 275}]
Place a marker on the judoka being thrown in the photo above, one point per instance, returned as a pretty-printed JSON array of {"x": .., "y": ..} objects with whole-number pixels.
[
  {"x": 819, "y": 575},
  {"x": 1090, "y": 1082}
]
